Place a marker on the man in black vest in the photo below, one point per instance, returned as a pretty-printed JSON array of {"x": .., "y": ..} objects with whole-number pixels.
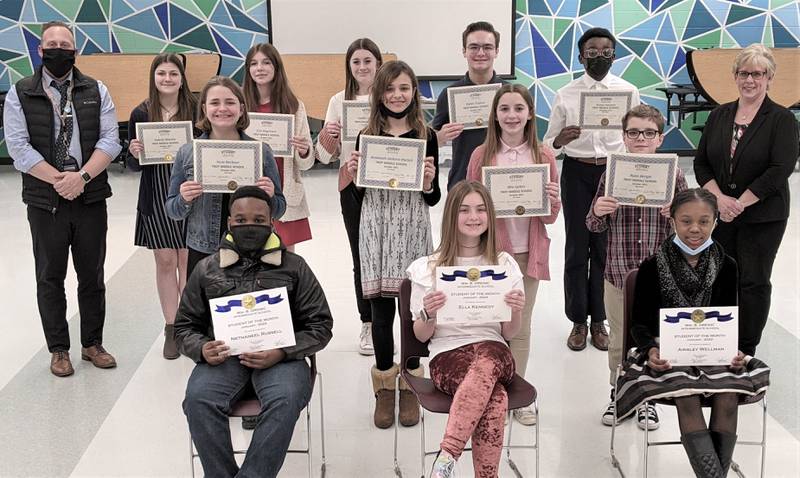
[{"x": 61, "y": 131}]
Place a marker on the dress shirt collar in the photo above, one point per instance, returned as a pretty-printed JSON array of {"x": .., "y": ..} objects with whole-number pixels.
[
  {"x": 519, "y": 149},
  {"x": 590, "y": 82}
]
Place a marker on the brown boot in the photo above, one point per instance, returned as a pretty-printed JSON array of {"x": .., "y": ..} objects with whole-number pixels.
[
  {"x": 409, "y": 406},
  {"x": 170, "y": 351},
  {"x": 383, "y": 384},
  {"x": 60, "y": 364}
]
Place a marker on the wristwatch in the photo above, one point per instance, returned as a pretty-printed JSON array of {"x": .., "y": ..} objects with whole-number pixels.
[
  {"x": 85, "y": 176},
  {"x": 423, "y": 314}
]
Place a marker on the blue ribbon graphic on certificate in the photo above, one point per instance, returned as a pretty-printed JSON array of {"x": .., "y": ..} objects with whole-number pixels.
[
  {"x": 239, "y": 303},
  {"x": 466, "y": 275},
  {"x": 714, "y": 314}
]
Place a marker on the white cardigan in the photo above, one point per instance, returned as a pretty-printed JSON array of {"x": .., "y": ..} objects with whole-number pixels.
[{"x": 293, "y": 190}]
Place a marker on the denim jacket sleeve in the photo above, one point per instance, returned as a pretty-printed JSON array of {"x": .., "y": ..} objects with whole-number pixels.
[
  {"x": 270, "y": 171},
  {"x": 177, "y": 208}
]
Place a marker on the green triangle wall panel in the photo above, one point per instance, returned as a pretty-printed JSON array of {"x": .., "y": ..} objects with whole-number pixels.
[
  {"x": 91, "y": 12},
  {"x": 199, "y": 38},
  {"x": 133, "y": 42}
]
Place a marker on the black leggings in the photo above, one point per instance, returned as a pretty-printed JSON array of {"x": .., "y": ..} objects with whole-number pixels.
[{"x": 383, "y": 309}]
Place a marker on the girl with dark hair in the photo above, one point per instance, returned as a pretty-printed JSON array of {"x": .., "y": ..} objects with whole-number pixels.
[
  {"x": 689, "y": 270},
  {"x": 394, "y": 230},
  {"x": 362, "y": 61},
  {"x": 266, "y": 90},
  {"x": 169, "y": 100},
  {"x": 471, "y": 362}
]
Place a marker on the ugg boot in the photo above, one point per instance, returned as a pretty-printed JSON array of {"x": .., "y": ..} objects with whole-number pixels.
[
  {"x": 409, "y": 406},
  {"x": 724, "y": 443},
  {"x": 383, "y": 384},
  {"x": 701, "y": 453},
  {"x": 170, "y": 349}
]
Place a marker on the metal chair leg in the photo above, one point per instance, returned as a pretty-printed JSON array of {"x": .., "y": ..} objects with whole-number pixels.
[
  {"x": 536, "y": 411},
  {"x": 321, "y": 426},
  {"x": 191, "y": 454},
  {"x": 511, "y": 463},
  {"x": 646, "y": 438},
  {"x": 614, "y": 461},
  {"x": 308, "y": 439},
  {"x": 396, "y": 426},
  {"x": 422, "y": 446}
]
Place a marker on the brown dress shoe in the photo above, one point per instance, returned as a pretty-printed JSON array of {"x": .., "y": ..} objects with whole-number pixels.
[
  {"x": 577, "y": 338},
  {"x": 599, "y": 336},
  {"x": 60, "y": 364},
  {"x": 98, "y": 356}
]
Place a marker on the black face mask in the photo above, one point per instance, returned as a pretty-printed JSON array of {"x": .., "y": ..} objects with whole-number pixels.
[
  {"x": 387, "y": 112},
  {"x": 250, "y": 238},
  {"x": 598, "y": 67},
  {"x": 58, "y": 61}
]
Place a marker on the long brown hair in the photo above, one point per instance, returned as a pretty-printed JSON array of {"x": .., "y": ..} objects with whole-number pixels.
[
  {"x": 385, "y": 76},
  {"x": 492, "y": 144},
  {"x": 350, "y": 83},
  {"x": 202, "y": 121},
  {"x": 448, "y": 247},
  {"x": 281, "y": 96},
  {"x": 187, "y": 106}
]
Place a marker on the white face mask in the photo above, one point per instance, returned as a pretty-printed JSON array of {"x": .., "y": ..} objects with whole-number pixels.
[{"x": 688, "y": 250}]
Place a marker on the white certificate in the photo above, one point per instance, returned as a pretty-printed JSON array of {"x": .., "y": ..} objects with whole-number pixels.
[
  {"x": 699, "y": 336},
  {"x": 355, "y": 116},
  {"x": 223, "y": 166},
  {"x": 603, "y": 110},
  {"x": 645, "y": 180},
  {"x": 475, "y": 294},
  {"x": 253, "y": 322},
  {"x": 161, "y": 140},
  {"x": 391, "y": 163},
  {"x": 275, "y": 129},
  {"x": 470, "y": 105},
  {"x": 518, "y": 191}
]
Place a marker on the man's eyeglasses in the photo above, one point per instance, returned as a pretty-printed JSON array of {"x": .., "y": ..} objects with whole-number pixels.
[
  {"x": 635, "y": 133},
  {"x": 473, "y": 48},
  {"x": 756, "y": 75},
  {"x": 594, "y": 53}
]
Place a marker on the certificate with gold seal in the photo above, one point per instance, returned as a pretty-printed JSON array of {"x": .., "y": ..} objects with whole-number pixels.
[
  {"x": 391, "y": 163},
  {"x": 518, "y": 191},
  {"x": 223, "y": 166},
  {"x": 275, "y": 129},
  {"x": 475, "y": 294},
  {"x": 253, "y": 322},
  {"x": 355, "y": 115},
  {"x": 470, "y": 105},
  {"x": 644, "y": 180},
  {"x": 603, "y": 109},
  {"x": 161, "y": 140},
  {"x": 699, "y": 336}
]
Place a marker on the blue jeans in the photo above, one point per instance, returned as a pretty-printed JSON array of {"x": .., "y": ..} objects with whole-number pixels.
[{"x": 283, "y": 390}]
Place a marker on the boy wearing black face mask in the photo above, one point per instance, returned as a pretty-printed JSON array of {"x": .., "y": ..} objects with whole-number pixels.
[
  {"x": 251, "y": 258},
  {"x": 61, "y": 131},
  {"x": 584, "y": 164}
]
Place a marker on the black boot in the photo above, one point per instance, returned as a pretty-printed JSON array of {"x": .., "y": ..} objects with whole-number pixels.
[
  {"x": 701, "y": 453},
  {"x": 724, "y": 443}
]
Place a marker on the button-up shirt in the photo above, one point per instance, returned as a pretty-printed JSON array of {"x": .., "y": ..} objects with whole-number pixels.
[
  {"x": 634, "y": 233},
  {"x": 517, "y": 227},
  {"x": 17, "y": 137},
  {"x": 566, "y": 111}
]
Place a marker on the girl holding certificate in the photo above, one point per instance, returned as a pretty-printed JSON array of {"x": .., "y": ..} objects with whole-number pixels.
[
  {"x": 223, "y": 116},
  {"x": 511, "y": 141},
  {"x": 362, "y": 61},
  {"x": 471, "y": 362},
  {"x": 266, "y": 90},
  {"x": 689, "y": 270},
  {"x": 169, "y": 100},
  {"x": 394, "y": 229}
]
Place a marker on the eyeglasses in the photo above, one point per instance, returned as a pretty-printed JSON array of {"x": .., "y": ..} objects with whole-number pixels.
[
  {"x": 594, "y": 53},
  {"x": 635, "y": 133},
  {"x": 473, "y": 48},
  {"x": 756, "y": 75}
]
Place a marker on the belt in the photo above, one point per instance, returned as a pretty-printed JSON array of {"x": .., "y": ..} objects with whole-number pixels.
[{"x": 592, "y": 161}]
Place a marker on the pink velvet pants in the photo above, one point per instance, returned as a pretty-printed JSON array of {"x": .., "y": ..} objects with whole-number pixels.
[{"x": 474, "y": 375}]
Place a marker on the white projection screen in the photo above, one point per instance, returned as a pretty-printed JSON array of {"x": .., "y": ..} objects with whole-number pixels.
[{"x": 424, "y": 33}]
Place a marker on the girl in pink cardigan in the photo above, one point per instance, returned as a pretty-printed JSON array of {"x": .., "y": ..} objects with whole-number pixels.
[{"x": 511, "y": 140}]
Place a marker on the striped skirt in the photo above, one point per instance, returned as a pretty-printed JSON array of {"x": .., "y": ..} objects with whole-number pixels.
[{"x": 639, "y": 383}]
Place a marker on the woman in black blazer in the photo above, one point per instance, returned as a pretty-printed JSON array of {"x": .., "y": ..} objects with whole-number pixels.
[{"x": 745, "y": 157}]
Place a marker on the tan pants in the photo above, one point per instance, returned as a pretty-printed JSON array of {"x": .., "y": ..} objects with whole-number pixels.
[
  {"x": 521, "y": 343},
  {"x": 614, "y": 304}
]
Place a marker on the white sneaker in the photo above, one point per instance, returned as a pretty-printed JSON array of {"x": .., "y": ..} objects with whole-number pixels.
[
  {"x": 365, "y": 346},
  {"x": 525, "y": 416}
]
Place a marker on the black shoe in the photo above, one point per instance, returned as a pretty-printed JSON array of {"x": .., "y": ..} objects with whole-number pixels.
[{"x": 249, "y": 423}]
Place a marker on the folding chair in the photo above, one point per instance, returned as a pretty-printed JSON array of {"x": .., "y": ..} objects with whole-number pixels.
[
  {"x": 520, "y": 392},
  {"x": 249, "y": 406},
  {"x": 628, "y": 295}
]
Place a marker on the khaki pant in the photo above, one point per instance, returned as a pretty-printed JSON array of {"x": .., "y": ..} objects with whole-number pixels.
[
  {"x": 521, "y": 343},
  {"x": 614, "y": 304}
]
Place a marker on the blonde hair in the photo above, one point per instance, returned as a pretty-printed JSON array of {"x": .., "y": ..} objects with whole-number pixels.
[
  {"x": 758, "y": 55},
  {"x": 385, "y": 76},
  {"x": 202, "y": 122},
  {"x": 447, "y": 251},
  {"x": 492, "y": 144}
]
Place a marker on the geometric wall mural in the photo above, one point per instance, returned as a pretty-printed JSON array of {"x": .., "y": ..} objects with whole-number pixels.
[{"x": 653, "y": 37}]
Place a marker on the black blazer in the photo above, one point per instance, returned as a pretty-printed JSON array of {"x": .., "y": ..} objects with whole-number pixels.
[{"x": 764, "y": 158}]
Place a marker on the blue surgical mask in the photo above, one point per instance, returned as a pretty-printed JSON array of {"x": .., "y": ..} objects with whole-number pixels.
[{"x": 688, "y": 250}]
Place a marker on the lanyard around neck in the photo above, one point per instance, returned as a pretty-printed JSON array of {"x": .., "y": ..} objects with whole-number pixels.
[{"x": 62, "y": 116}]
